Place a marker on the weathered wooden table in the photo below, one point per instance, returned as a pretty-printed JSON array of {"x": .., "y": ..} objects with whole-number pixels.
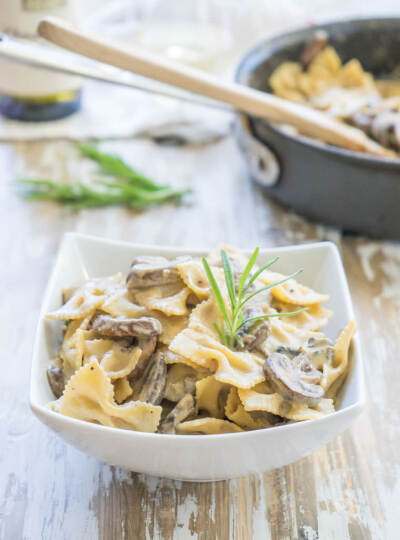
[{"x": 48, "y": 490}]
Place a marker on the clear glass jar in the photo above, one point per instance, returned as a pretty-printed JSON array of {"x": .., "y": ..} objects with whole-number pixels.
[{"x": 197, "y": 32}]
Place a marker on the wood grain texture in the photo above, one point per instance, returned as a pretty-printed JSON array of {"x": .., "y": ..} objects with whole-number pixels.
[{"x": 349, "y": 489}]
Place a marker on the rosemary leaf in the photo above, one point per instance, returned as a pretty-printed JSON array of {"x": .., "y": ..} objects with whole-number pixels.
[
  {"x": 229, "y": 279},
  {"x": 259, "y": 272},
  {"x": 216, "y": 291},
  {"x": 220, "y": 333},
  {"x": 99, "y": 193},
  {"x": 247, "y": 270},
  {"x": 270, "y": 286},
  {"x": 115, "y": 166},
  {"x": 269, "y": 315},
  {"x": 147, "y": 197},
  {"x": 230, "y": 336}
]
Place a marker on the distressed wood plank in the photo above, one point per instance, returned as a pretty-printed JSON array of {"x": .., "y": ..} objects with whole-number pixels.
[{"x": 349, "y": 489}]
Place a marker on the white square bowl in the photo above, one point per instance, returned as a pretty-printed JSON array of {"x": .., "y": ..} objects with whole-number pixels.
[{"x": 193, "y": 457}]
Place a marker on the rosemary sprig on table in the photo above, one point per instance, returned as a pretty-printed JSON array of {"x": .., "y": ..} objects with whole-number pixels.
[
  {"x": 129, "y": 188},
  {"x": 234, "y": 319},
  {"x": 115, "y": 166}
]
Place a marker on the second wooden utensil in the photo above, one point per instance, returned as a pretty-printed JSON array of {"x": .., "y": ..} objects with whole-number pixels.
[{"x": 253, "y": 102}]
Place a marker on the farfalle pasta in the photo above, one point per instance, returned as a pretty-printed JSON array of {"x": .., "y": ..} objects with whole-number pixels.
[
  {"x": 342, "y": 90},
  {"x": 148, "y": 352}
]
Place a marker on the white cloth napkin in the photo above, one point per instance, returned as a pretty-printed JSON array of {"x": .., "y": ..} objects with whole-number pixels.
[{"x": 110, "y": 111}]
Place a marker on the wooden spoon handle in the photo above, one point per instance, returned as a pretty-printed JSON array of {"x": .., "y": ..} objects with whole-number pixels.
[{"x": 248, "y": 100}]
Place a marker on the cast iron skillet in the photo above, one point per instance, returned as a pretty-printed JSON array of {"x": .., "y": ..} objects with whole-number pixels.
[{"x": 353, "y": 191}]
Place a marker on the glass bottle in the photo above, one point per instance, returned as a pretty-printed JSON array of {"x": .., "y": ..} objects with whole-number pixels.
[{"x": 30, "y": 93}]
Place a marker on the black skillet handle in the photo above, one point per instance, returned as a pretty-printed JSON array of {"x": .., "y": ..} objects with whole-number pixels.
[{"x": 263, "y": 164}]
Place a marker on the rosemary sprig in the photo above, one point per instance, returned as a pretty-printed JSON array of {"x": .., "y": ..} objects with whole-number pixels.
[
  {"x": 79, "y": 195},
  {"x": 234, "y": 319},
  {"x": 129, "y": 188},
  {"x": 115, "y": 166}
]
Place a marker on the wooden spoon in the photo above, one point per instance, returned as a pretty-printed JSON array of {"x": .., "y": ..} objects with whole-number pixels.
[{"x": 308, "y": 121}]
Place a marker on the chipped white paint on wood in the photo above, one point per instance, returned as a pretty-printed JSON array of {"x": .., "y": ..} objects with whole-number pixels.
[{"x": 350, "y": 489}]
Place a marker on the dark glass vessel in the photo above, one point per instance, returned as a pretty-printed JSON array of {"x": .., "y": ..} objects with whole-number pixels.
[{"x": 40, "y": 109}]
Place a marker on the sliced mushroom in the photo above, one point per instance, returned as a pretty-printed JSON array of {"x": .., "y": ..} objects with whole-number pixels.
[
  {"x": 150, "y": 271},
  {"x": 254, "y": 332},
  {"x": 106, "y": 325},
  {"x": 380, "y": 120},
  {"x": 289, "y": 351},
  {"x": 256, "y": 335},
  {"x": 184, "y": 408},
  {"x": 294, "y": 379},
  {"x": 222, "y": 399},
  {"x": 308, "y": 373},
  {"x": 272, "y": 419},
  {"x": 167, "y": 407},
  {"x": 385, "y": 128},
  {"x": 319, "y": 351},
  {"x": 153, "y": 382},
  {"x": 148, "y": 346},
  {"x": 181, "y": 380},
  {"x": 55, "y": 376},
  {"x": 314, "y": 47}
]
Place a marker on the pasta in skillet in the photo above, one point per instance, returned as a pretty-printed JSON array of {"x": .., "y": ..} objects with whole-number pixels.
[
  {"x": 343, "y": 90},
  {"x": 171, "y": 349}
]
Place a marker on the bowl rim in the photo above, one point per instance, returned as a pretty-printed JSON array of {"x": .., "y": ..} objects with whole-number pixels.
[
  {"x": 44, "y": 411},
  {"x": 338, "y": 152}
]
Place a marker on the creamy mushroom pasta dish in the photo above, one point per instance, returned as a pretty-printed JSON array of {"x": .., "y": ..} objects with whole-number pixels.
[
  {"x": 347, "y": 92},
  {"x": 197, "y": 346}
]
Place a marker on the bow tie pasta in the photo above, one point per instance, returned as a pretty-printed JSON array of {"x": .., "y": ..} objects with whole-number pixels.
[{"x": 149, "y": 352}]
